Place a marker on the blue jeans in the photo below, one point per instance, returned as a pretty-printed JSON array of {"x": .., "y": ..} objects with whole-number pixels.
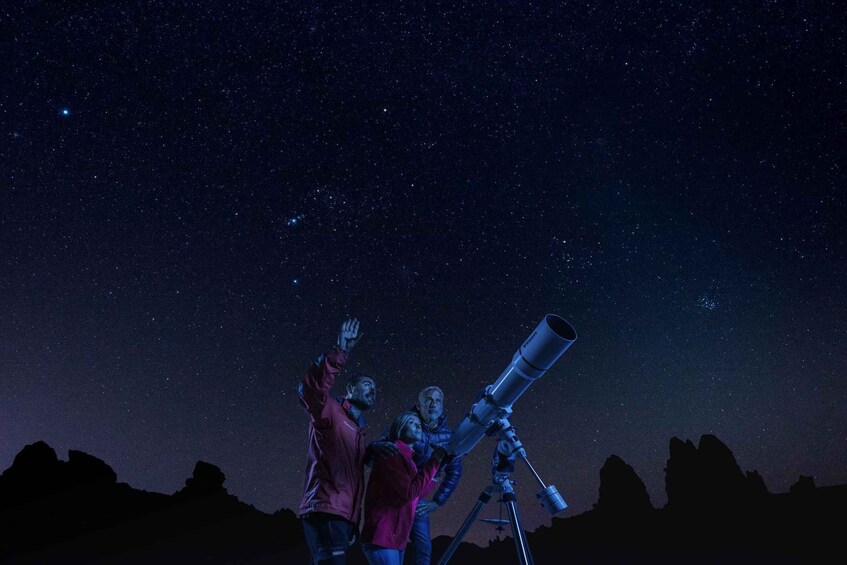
[
  {"x": 378, "y": 555},
  {"x": 420, "y": 538},
  {"x": 328, "y": 537}
]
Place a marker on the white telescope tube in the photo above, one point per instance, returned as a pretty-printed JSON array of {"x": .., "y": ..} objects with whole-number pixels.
[{"x": 537, "y": 354}]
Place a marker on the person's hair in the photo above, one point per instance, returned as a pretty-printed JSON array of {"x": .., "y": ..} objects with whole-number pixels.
[
  {"x": 354, "y": 380},
  {"x": 424, "y": 392},
  {"x": 399, "y": 423}
]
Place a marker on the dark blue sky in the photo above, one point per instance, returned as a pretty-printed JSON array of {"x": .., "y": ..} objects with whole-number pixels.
[{"x": 193, "y": 196}]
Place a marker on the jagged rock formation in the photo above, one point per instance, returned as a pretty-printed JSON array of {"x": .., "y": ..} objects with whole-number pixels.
[
  {"x": 707, "y": 478},
  {"x": 84, "y": 468},
  {"x": 704, "y": 478},
  {"x": 755, "y": 486},
  {"x": 804, "y": 485},
  {"x": 716, "y": 514},
  {"x": 622, "y": 492},
  {"x": 37, "y": 472},
  {"x": 206, "y": 480},
  {"x": 52, "y": 511},
  {"x": 75, "y": 511}
]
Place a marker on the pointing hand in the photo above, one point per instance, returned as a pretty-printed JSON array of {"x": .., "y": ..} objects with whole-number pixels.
[{"x": 349, "y": 334}]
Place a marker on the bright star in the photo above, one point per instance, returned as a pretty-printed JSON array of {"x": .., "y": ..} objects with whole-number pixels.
[{"x": 65, "y": 112}]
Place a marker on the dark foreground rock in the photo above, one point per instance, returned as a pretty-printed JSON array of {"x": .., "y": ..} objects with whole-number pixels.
[{"x": 75, "y": 511}]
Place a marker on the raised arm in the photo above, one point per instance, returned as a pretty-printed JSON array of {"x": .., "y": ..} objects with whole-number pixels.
[{"x": 319, "y": 378}]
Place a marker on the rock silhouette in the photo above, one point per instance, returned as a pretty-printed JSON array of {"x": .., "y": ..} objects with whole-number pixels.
[
  {"x": 622, "y": 492},
  {"x": 53, "y": 511},
  {"x": 75, "y": 511},
  {"x": 704, "y": 478},
  {"x": 206, "y": 480}
]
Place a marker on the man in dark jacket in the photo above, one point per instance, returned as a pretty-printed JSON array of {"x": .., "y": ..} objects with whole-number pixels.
[
  {"x": 335, "y": 473},
  {"x": 430, "y": 407},
  {"x": 435, "y": 432}
]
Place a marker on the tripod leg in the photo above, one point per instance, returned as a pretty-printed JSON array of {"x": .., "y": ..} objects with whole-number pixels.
[
  {"x": 521, "y": 545},
  {"x": 484, "y": 497}
]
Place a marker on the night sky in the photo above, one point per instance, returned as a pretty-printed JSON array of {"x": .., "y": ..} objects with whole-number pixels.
[{"x": 195, "y": 195}]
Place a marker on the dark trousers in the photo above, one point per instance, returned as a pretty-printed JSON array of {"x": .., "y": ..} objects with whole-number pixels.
[{"x": 328, "y": 537}]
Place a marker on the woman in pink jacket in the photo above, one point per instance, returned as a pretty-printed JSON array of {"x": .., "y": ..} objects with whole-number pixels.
[{"x": 394, "y": 487}]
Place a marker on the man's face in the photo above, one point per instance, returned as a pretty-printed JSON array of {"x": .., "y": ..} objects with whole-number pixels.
[
  {"x": 363, "y": 393},
  {"x": 431, "y": 406}
]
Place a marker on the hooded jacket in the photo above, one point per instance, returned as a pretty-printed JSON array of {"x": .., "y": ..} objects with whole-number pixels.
[
  {"x": 439, "y": 435},
  {"x": 394, "y": 487},
  {"x": 335, "y": 474}
]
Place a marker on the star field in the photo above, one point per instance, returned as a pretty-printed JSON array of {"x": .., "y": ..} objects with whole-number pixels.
[{"x": 193, "y": 197}]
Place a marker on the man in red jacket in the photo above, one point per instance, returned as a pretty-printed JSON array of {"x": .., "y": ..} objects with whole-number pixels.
[{"x": 335, "y": 473}]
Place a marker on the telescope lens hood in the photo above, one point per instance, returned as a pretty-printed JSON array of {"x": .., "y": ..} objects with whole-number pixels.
[
  {"x": 547, "y": 342},
  {"x": 560, "y": 327}
]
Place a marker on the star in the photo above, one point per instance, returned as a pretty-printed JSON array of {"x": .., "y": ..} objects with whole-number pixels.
[{"x": 707, "y": 303}]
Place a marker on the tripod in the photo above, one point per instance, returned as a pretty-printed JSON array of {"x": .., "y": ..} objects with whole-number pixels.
[{"x": 503, "y": 463}]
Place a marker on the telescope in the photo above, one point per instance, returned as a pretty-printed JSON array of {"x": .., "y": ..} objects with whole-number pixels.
[
  {"x": 489, "y": 416},
  {"x": 531, "y": 361}
]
